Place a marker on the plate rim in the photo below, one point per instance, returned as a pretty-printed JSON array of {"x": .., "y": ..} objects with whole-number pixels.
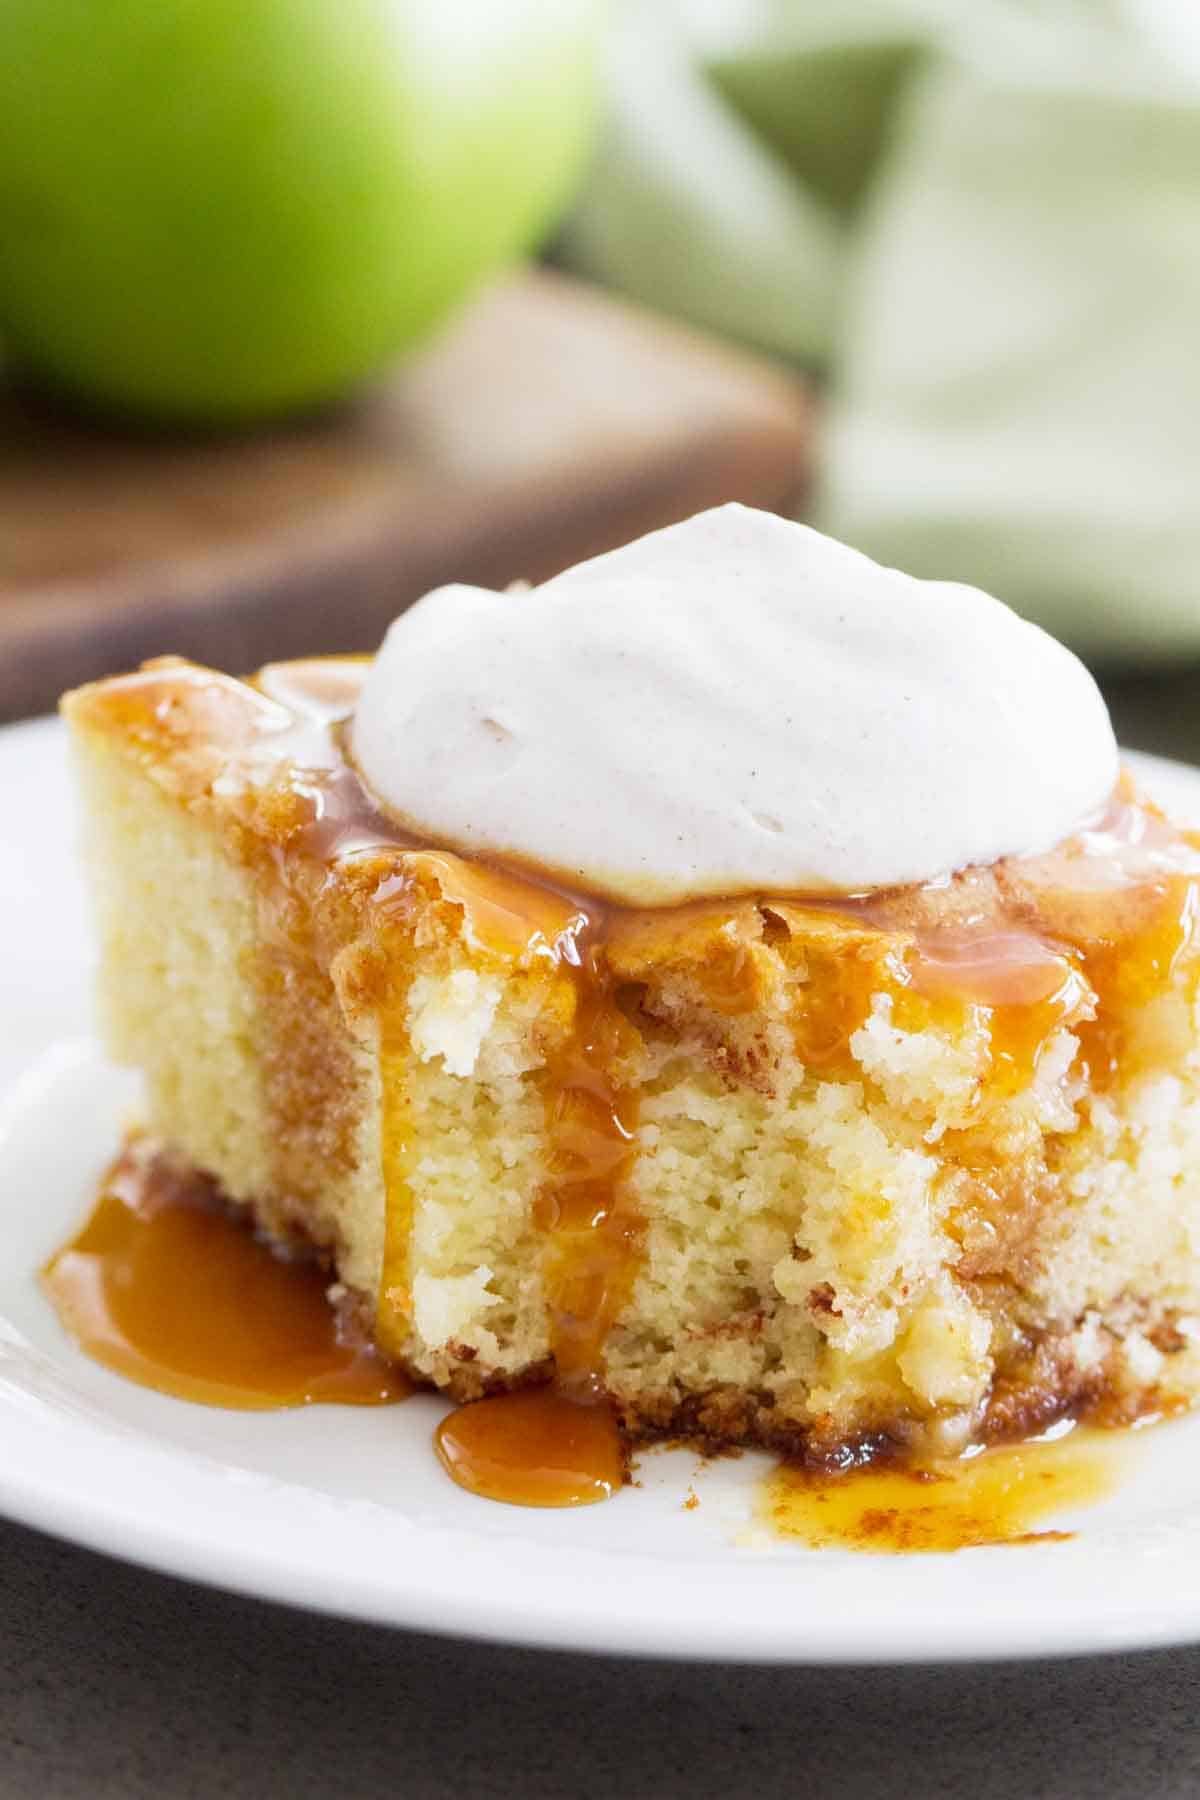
[{"x": 225, "y": 1529}]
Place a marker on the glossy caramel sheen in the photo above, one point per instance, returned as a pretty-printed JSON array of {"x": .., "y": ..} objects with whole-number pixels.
[
  {"x": 592, "y": 1230},
  {"x": 165, "y": 1287},
  {"x": 535, "y": 1447},
  {"x": 1000, "y": 1496}
]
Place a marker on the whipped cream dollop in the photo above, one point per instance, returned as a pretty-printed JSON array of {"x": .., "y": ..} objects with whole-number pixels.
[{"x": 732, "y": 705}]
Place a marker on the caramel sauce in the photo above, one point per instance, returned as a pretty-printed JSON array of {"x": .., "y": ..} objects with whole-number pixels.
[
  {"x": 1101, "y": 925},
  {"x": 1007, "y": 980},
  {"x": 835, "y": 1003},
  {"x": 165, "y": 1287},
  {"x": 535, "y": 1447},
  {"x": 1006, "y": 970},
  {"x": 1129, "y": 973},
  {"x": 593, "y": 1232},
  {"x": 999, "y": 1496},
  {"x": 1012, "y": 983},
  {"x": 561, "y": 1446},
  {"x": 395, "y": 1284}
]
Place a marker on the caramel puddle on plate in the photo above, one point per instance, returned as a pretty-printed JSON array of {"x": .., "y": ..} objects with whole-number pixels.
[
  {"x": 168, "y": 1288},
  {"x": 535, "y": 1447},
  {"x": 997, "y": 1496},
  {"x": 165, "y": 1286}
]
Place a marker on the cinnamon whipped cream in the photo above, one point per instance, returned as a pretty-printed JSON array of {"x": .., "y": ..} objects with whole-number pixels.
[{"x": 732, "y": 705}]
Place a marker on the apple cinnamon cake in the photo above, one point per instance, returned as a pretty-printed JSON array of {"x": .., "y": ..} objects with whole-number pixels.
[{"x": 827, "y": 1174}]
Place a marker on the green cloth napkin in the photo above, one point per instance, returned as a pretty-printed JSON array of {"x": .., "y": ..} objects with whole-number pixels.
[{"x": 982, "y": 220}]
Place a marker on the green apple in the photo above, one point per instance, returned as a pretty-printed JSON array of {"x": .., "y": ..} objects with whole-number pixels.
[{"x": 216, "y": 211}]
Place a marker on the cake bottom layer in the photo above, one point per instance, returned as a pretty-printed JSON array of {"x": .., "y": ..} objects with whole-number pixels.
[{"x": 1135, "y": 1364}]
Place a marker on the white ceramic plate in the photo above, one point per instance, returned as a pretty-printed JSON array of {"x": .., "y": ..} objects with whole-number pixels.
[{"x": 345, "y": 1509}]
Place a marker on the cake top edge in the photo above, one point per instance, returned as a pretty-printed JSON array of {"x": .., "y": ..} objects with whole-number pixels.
[{"x": 264, "y": 759}]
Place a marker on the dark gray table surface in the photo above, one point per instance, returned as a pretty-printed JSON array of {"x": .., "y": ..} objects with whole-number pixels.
[{"x": 116, "y": 1682}]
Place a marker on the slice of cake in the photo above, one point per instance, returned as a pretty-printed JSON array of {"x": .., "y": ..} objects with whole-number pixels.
[{"x": 892, "y": 1164}]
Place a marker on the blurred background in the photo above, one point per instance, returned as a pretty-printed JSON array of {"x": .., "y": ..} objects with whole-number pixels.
[{"x": 309, "y": 305}]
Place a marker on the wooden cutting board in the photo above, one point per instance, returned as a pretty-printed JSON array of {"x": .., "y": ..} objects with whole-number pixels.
[{"x": 548, "y": 423}]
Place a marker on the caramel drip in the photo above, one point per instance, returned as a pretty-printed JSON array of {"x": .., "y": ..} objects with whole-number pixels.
[
  {"x": 394, "y": 1316},
  {"x": 1006, "y": 970},
  {"x": 1020, "y": 1034},
  {"x": 562, "y": 1446},
  {"x": 1019, "y": 988},
  {"x": 1129, "y": 972},
  {"x": 166, "y": 1287},
  {"x": 592, "y": 1226},
  {"x": 533, "y": 1448},
  {"x": 1000, "y": 1496},
  {"x": 1008, "y": 980},
  {"x": 834, "y": 1003}
]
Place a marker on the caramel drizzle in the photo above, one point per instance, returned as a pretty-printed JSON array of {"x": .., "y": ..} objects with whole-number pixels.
[
  {"x": 593, "y": 1230},
  {"x": 1117, "y": 918},
  {"x": 394, "y": 1311}
]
